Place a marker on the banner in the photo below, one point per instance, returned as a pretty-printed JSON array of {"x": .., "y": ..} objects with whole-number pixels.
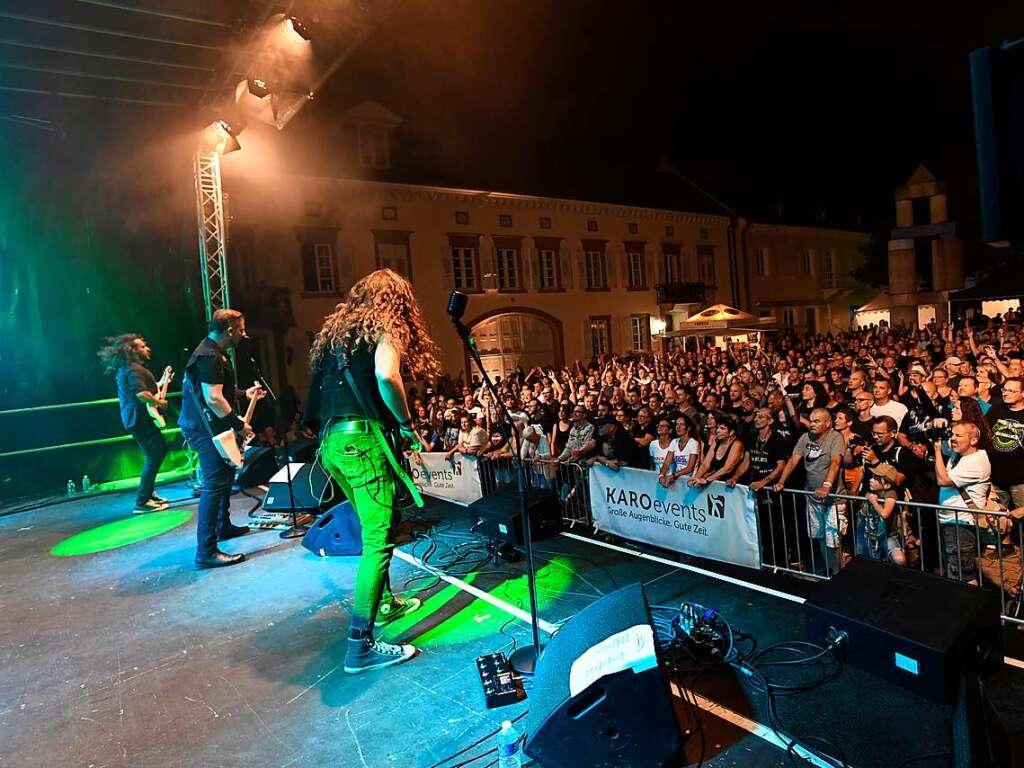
[
  {"x": 714, "y": 521},
  {"x": 457, "y": 480}
]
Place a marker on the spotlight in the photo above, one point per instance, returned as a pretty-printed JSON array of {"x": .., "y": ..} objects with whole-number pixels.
[
  {"x": 256, "y": 100},
  {"x": 222, "y": 137},
  {"x": 295, "y": 30}
]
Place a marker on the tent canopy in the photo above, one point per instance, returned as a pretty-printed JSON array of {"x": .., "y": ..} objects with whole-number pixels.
[{"x": 721, "y": 320}]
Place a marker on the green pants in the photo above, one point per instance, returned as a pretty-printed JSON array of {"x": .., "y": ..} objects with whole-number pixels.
[{"x": 359, "y": 464}]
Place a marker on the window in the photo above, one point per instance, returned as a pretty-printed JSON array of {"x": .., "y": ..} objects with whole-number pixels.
[
  {"x": 789, "y": 317},
  {"x": 633, "y": 228},
  {"x": 508, "y": 269},
  {"x": 640, "y": 332},
  {"x": 318, "y": 268},
  {"x": 600, "y": 335},
  {"x": 591, "y": 225},
  {"x": 635, "y": 276},
  {"x": 670, "y": 231},
  {"x": 505, "y": 219},
  {"x": 394, "y": 256},
  {"x": 672, "y": 260},
  {"x": 828, "y": 276},
  {"x": 706, "y": 264},
  {"x": 545, "y": 222},
  {"x": 761, "y": 262},
  {"x": 806, "y": 262},
  {"x": 464, "y": 268},
  {"x": 703, "y": 233},
  {"x": 389, "y": 213},
  {"x": 374, "y": 149},
  {"x": 594, "y": 264},
  {"x": 462, "y": 217},
  {"x": 547, "y": 269}
]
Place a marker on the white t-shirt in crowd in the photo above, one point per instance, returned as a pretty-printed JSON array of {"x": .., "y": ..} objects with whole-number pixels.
[
  {"x": 972, "y": 473},
  {"x": 681, "y": 455},
  {"x": 658, "y": 453},
  {"x": 893, "y": 408}
]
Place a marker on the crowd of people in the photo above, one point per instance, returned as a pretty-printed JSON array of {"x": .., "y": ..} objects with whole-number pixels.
[{"x": 885, "y": 414}]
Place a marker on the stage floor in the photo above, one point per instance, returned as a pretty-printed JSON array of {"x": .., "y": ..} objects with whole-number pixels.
[{"x": 129, "y": 657}]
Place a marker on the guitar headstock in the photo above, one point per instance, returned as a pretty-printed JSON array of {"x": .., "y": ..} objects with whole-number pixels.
[{"x": 168, "y": 374}]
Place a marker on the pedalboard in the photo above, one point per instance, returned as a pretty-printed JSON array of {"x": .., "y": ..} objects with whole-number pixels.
[{"x": 501, "y": 686}]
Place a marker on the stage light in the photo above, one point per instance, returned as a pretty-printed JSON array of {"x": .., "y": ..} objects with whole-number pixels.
[
  {"x": 295, "y": 30},
  {"x": 255, "y": 99},
  {"x": 222, "y": 137}
]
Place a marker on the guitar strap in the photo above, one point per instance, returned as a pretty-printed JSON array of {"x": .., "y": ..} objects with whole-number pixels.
[{"x": 373, "y": 414}]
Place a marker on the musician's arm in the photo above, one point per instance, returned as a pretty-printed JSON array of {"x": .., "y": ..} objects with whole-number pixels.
[
  {"x": 387, "y": 365},
  {"x": 213, "y": 394},
  {"x": 149, "y": 397}
]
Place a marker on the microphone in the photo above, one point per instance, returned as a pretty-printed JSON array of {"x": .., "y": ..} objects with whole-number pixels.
[{"x": 457, "y": 305}]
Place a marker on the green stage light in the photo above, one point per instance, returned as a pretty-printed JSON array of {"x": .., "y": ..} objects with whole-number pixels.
[{"x": 120, "y": 533}]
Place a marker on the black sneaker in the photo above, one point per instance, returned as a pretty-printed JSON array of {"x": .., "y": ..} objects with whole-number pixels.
[
  {"x": 396, "y": 608},
  {"x": 149, "y": 506},
  {"x": 364, "y": 655},
  {"x": 158, "y": 499}
]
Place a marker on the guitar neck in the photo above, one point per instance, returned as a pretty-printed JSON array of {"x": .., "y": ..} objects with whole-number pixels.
[{"x": 249, "y": 410}]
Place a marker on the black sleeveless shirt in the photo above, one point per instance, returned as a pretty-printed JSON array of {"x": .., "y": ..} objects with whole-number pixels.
[{"x": 330, "y": 396}]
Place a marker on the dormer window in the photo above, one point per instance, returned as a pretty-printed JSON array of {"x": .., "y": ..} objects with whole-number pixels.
[{"x": 374, "y": 146}]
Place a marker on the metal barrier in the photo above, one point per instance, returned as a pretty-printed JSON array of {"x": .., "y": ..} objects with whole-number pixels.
[
  {"x": 814, "y": 539},
  {"x": 569, "y": 480}
]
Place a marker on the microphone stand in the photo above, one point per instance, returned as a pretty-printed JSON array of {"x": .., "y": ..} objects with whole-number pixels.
[
  {"x": 524, "y": 660},
  {"x": 296, "y": 530}
]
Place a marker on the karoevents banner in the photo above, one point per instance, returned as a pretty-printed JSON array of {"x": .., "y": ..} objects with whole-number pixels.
[
  {"x": 457, "y": 480},
  {"x": 716, "y": 522}
]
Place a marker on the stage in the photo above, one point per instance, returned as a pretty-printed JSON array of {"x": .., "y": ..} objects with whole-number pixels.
[{"x": 127, "y": 656}]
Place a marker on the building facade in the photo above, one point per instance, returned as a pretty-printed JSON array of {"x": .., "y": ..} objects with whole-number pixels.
[
  {"x": 549, "y": 280},
  {"x": 803, "y": 275}
]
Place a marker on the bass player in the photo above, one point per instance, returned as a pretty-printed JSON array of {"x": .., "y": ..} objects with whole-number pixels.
[
  {"x": 379, "y": 332},
  {"x": 207, "y": 409},
  {"x": 140, "y": 397}
]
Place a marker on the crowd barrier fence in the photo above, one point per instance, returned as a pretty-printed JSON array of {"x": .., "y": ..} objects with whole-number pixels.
[{"x": 811, "y": 539}]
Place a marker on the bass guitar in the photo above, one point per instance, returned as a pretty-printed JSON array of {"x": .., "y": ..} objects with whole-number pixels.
[
  {"x": 154, "y": 411},
  {"x": 231, "y": 443}
]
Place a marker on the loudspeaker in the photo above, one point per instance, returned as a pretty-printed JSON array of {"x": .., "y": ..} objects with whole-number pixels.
[
  {"x": 497, "y": 515},
  {"x": 336, "y": 532},
  {"x": 997, "y": 86},
  {"x": 312, "y": 487},
  {"x": 303, "y": 449},
  {"x": 600, "y": 697},
  {"x": 258, "y": 465},
  {"x": 916, "y": 630}
]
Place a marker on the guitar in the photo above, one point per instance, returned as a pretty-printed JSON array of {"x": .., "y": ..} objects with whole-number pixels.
[
  {"x": 154, "y": 411},
  {"x": 230, "y": 443}
]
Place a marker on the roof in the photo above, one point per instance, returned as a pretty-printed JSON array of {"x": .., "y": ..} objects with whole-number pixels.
[{"x": 1006, "y": 282}]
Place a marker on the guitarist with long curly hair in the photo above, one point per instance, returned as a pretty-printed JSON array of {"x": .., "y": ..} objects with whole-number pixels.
[
  {"x": 141, "y": 398},
  {"x": 376, "y": 334}
]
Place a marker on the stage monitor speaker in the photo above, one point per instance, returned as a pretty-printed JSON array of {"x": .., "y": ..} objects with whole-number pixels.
[
  {"x": 312, "y": 487},
  {"x": 258, "y": 465},
  {"x": 997, "y": 86},
  {"x": 919, "y": 631},
  {"x": 336, "y": 532},
  {"x": 303, "y": 449},
  {"x": 496, "y": 515},
  {"x": 600, "y": 696}
]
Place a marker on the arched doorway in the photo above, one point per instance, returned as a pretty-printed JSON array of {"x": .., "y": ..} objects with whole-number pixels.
[{"x": 524, "y": 337}]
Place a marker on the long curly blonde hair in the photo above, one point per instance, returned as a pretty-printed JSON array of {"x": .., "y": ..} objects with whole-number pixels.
[{"x": 380, "y": 303}]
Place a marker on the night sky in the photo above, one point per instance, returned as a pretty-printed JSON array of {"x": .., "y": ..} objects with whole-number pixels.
[{"x": 821, "y": 107}]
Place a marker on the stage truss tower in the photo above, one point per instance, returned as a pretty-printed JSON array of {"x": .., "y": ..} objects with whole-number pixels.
[{"x": 211, "y": 209}]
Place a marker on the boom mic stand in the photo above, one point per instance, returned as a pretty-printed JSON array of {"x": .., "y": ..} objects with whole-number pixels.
[
  {"x": 524, "y": 660},
  {"x": 296, "y": 530}
]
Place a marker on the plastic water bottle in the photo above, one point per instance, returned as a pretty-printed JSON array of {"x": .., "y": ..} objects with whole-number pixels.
[
  {"x": 86, "y": 484},
  {"x": 509, "y": 753},
  {"x": 71, "y": 487}
]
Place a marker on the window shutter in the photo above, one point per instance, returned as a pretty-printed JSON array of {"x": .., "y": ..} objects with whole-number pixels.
[
  {"x": 565, "y": 259},
  {"x": 448, "y": 279},
  {"x": 588, "y": 344},
  {"x": 649, "y": 266},
  {"x": 660, "y": 266},
  {"x": 581, "y": 266},
  {"x": 611, "y": 267},
  {"x": 532, "y": 266},
  {"x": 309, "y": 276}
]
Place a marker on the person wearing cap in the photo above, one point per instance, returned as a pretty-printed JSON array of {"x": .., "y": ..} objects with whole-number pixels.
[{"x": 878, "y": 524}]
